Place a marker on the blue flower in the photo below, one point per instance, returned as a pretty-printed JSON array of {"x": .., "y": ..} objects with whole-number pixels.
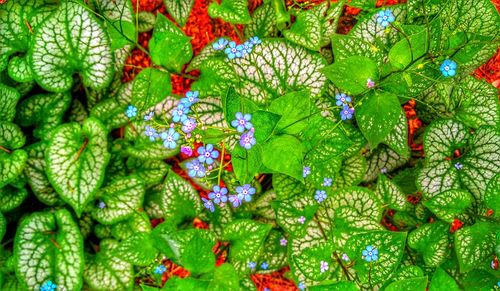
[
  {"x": 247, "y": 140},
  {"x": 208, "y": 204},
  {"x": 160, "y": 269},
  {"x": 323, "y": 266},
  {"x": 252, "y": 265},
  {"x": 306, "y": 171},
  {"x": 242, "y": 122},
  {"x": 179, "y": 113},
  {"x": 283, "y": 241},
  {"x": 245, "y": 192},
  {"x": 498, "y": 284},
  {"x": 301, "y": 286},
  {"x": 195, "y": 169},
  {"x": 190, "y": 99},
  {"x": 342, "y": 99},
  {"x": 385, "y": 17},
  {"x": 255, "y": 40},
  {"x": 267, "y": 289},
  {"x": 234, "y": 51},
  {"x": 169, "y": 138},
  {"x": 207, "y": 154},
  {"x": 247, "y": 47},
  {"x": 448, "y": 68},
  {"x": 320, "y": 195},
  {"x": 218, "y": 194},
  {"x": 458, "y": 166},
  {"x": 101, "y": 205},
  {"x": 220, "y": 44},
  {"x": 370, "y": 254},
  {"x": 301, "y": 220},
  {"x": 149, "y": 116},
  {"x": 151, "y": 133},
  {"x": 346, "y": 112},
  {"x": 48, "y": 286},
  {"x": 234, "y": 200},
  {"x": 131, "y": 111},
  {"x": 264, "y": 266},
  {"x": 327, "y": 182},
  {"x": 188, "y": 125}
]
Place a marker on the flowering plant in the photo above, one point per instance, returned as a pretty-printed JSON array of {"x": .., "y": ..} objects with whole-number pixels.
[{"x": 365, "y": 160}]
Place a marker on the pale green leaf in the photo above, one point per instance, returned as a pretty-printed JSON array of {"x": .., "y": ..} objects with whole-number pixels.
[
  {"x": 391, "y": 194},
  {"x": 147, "y": 21},
  {"x": 139, "y": 222},
  {"x": 284, "y": 154},
  {"x": 151, "y": 172},
  {"x": 104, "y": 271},
  {"x": 76, "y": 159},
  {"x": 442, "y": 278},
  {"x": 49, "y": 246},
  {"x": 263, "y": 22},
  {"x": 397, "y": 139},
  {"x": 474, "y": 244},
  {"x": 8, "y": 98},
  {"x": 432, "y": 242},
  {"x": 20, "y": 70},
  {"x": 138, "y": 250},
  {"x": 11, "y": 166},
  {"x": 492, "y": 195},
  {"x": 412, "y": 284},
  {"x": 71, "y": 41},
  {"x": 449, "y": 204},
  {"x": 150, "y": 87},
  {"x": 141, "y": 147},
  {"x": 287, "y": 187},
  {"x": 382, "y": 160},
  {"x": 11, "y": 197},
  {"x": 121, "y": 198},
  {"x": 11, "y": 136},
  {"x": 232, "y": 11},
  {"x": 36, "y": 176},
  {"x": 179, "y": 10}
]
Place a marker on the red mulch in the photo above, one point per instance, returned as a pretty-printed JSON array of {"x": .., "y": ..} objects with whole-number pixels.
[{"x": 203, "y": 30}]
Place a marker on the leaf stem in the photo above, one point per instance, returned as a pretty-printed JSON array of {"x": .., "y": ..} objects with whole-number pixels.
[
  {"x": 221, "y": 163},
  {"x": 5, "y": 150},
  {"x": 84, "y": 145}
]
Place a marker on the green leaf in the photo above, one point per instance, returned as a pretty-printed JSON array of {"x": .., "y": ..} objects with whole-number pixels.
[
  {"x": 44, "y": 111},
  {"x": 397, "y": 139},
  {"x": 11, "y": 136},
  {"x": 111, "y": 111},
  {"x": 120, "y": 21},
  {"x": 246, "y": 238},
  {"x": 19, "y": 69},
  {"x": 147, "y": 21},
  {"x": 232, "y": 11},
  {"x": 351, "y": 74},
  {"x": 480, "y": 159},
  {"x": 3, "y": 229},
  {"x": 11, "y": 166},
  {"x": 442, "y": 278},
  {"x": 294, "y": 109},
  {"x": 273, "y": 68},
  {"x": 449, "y": 204},
  {"x": 412, "y": 284},
  {"x": 139, "y": 222},
  {"x": 313, "y": 28},
  {"x": 61, "y": 48},
  {"x": 225, "y": 278},
  {"x": 289, "y": 211},
  {"x": 492, "y": 195},
  {"x": 234, "y": 103},
  {"x": 8, "y": 98},
  {"x": 177, "y": 284},
  {"x": 432, "y": 242},
  {"x": 49, "y": 246},
  {"x": 345, "y": 46},
  {"x": 286, "y": 186},
  {"x": 246, "y": 163},
  {"x": 382, "y": 160},
  {"x": 150, "y": 87},
  {"x": 474, "y": 244},
  {"x": 122, "y": 198},
  {"x": 169, "y": 46},
  {"x": 151, "y": 172},
  {"x": 141, "y": 147},
  {"x": 104, "y": 271},
  {"x": 263, "y": 22},
  {"x": 176, "y": 200},
  {"x": 76, "y": 159},
  {"x": 284, "y": 154},
  {"x": 139, "y": 249},
  {"x": 11, "y": 197},
  {"x": 390, "y": 246},
  {"x": 351, "y": 172},
  {"x": 36, "y": 175},
  {"x": 377, "y": 116},
  {"x": 266, "y": 123},
  {"x": 409, "y": 49},
  {"x": 392, "y": 194},
  {"x": 179, "y": 10}
]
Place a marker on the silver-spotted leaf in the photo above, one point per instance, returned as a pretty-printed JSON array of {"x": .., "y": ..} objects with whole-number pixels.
[
  {"x": 382, "y": 160},
  {"x": 432, "y": 241},
  {"x": 475, "y": 244},
  {"x": 139, "y": 249},
  {"x": 232, "y": 11},
  {"x": 8, "y": 98},
  {"x": 11, "y": 165},
  {"x": 76, "y": 159},
  {"x": 71, "y": 41},
  {"x": 11, "y": 197},
  {"x": 391, "y": 194},
  {"x": 179, "y": 10},
  {"x": 449, "y": 204},
  {"x": 36, "y": 175},
  {"x": 263, "y": 22},
  {"x": 49, "y": 246}
]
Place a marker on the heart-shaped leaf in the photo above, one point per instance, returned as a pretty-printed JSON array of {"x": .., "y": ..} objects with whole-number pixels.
[
  {"x": 492, "y": 196},
  {"x": 391, "y": 194},
  {"x": 138, "y": 249},
  {"x": 263, "y": 22},
  {"x": 11, "y": 197},
  {"x": 432, "y": 242},
  {"x": 105, "y": 271},
  {"x": 49, "y": 246},
  {"x": 76, "y": 159},
  {"x": 449, "y": 204},
  {"x": 352, "y": 74},
  {"x": 8, "y": 98},
  {"x": 179, "y": 10},
  {"x": 150, "y": 87},
  {"x": 121, "y": 199},
  {"x": 284, "y": 154},
  {"x": 36, "y": 176},
  {"x": 11, "y": 165},
  {"x": 71, "y": 41},
  {"x": 232, "y": 11},
  {"x": 475, "y": 244}
]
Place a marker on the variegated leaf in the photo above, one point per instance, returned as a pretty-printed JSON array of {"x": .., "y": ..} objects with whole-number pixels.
[{"x": 432, "y": 242}]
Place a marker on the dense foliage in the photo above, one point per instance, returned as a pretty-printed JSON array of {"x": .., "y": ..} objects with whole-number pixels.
[{"x": 296, "y": 136}]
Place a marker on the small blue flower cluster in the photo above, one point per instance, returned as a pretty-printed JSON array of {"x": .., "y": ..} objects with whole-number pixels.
[
  {"x": 160, "y": 269},
  {"x": 319, "y": 195},
  {"x": 448, "y": 68},
  {"x": 385, "y": 17},
  {"x": 219, "y": 195},
  {"x": 206, "y": 156},
  {"x": 233, "y": 50},
  {"x": 370, "y": 254},
  {"x": 48, "y": 286},
  {"x": 344, "y": 100},
  {"x": 242, "y": 122},
  {"x": 263, "y": 266}
]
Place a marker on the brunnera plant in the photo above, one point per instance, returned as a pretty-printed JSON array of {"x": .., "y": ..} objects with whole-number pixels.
[{"x": 296, "y": 136}]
